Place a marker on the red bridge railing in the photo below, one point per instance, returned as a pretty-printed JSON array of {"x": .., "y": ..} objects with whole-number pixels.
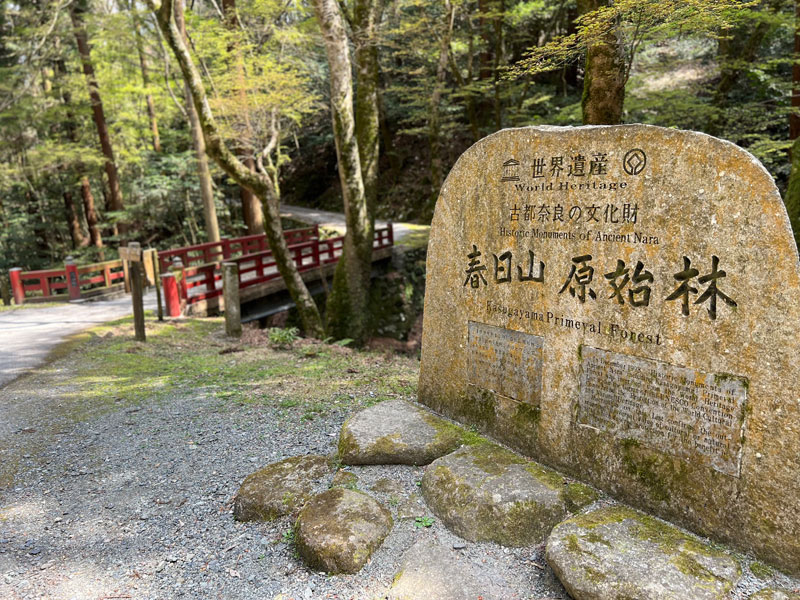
[
  {"x": 70, "y": 283},
  {"x": 198, "y": 283}
]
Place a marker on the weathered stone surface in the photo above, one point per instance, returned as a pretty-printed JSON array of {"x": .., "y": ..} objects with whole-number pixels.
[
  {"x": 338, "y": 530},
  {"x": 280, "y": 488},
  {"x": 617, "y": 553},
  {"x": 487, "y": 493},
  {"x": 631, "y": 321},
  {"x": 775, "y": 594},
  {"x": 396, "y": 432},
  {"x": 430, "y": 571}
]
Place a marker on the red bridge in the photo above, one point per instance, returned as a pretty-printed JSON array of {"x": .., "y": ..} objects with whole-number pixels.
[{"x": 192, "y": 276}]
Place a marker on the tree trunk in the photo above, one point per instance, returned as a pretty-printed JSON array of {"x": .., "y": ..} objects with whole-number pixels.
[
  {"x": 604, "y": 76},
  {"x": 259, "y": 184},
  {"x": 89, "y": 211},
  {"x": 203, "y": 172},
  {"x": 792, "y": 199},
  {"x": 77, "y": 10},
  {"x": 151, "y": 108},
  {"x": 438, "y": 89},
  {"x": 347, "y": 302},
  {"x": 252, "y": 211},
  {"x": 794, "y": 117},
  {"x": 73, "y": 222}
]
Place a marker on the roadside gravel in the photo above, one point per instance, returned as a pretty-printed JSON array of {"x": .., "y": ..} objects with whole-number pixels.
[{"x": 133, "y": 499}]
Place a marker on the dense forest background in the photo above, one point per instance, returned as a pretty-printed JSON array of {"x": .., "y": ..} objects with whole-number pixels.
[{"x": 101, "y": 143}]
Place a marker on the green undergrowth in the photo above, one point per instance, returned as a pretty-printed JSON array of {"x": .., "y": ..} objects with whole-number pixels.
[{"x": 304, "y": 379}]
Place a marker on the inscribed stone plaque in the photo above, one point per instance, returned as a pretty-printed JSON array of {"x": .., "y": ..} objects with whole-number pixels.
[
  {"x": 505, "y": 361},
  {"x": 679, "y": 411},
  {"x": 626, "y": 252}
]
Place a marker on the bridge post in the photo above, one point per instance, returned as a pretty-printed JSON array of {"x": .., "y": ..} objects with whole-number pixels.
[
  {"x": 172, "y": 300},
  {"x": 230, "y": 292},
  {"x": 15, "y": 276},
  {"x": 137, "y": 290},
  {"x": 73, "y": 284}
]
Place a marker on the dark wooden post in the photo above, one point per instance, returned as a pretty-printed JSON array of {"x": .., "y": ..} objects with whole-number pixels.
[
  {"x": 230, "y": 292},
  {"x": 133, "y": 255},
  {"x": 157, "y": 283},
  {"x": 5, "y": 290}
]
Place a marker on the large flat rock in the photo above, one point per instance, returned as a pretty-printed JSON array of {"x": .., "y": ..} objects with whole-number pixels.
[
  {"x": 338, "y": 530},
  {"x": 430, "y": 571},
  {"x": 618, "y": 553},
  {"x": 484, "y": 492},
  {"x": 280, "y": 488},
  {"x": 396, "y": 432},
  {"x": 775, "y": 594}
]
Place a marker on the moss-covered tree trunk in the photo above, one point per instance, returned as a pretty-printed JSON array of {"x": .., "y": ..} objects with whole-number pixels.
[
  {"x": 347, "y": 302},
  {"x": 604, "y": 76},
  {"x": 73, "y": 222},
  {"x": 259, "y": 184}
]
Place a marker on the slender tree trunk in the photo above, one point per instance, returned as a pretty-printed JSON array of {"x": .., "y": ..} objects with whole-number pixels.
[
  {"x": 258, "y": 183},
  {"x": 95, "y": 239},
  {"x": 151, "y": 108},
  {"x": 499, "y": 51},
  {"x": 438, "y": 89},
  {"x": 73, "y": 222},
  {"x": 604, "y": 76},
  {"x": 252, "y": 211},
  {"x": 347, "y": 303},
  {"x": 203, "y": 172},
  {"x": 794, "y": 117},
  {"x": 77, "y": 11}
]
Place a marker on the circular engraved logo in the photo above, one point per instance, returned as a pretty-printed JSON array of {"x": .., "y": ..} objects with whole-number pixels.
[{"x": 634, "y": 161}]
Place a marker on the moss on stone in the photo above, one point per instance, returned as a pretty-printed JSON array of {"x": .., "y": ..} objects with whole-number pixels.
[
  {"x": 761, "y": 570},
  {"x": 546, "y": 476},
  {"x": 577, "y": 495},
  {"x": 594, "y": 575},
  {"x": 596, "y": 538},
  {"x": 493, "y": 459}
]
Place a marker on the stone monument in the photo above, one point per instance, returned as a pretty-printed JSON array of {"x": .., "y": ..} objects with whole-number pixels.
[{"x": 623, "y": 303}]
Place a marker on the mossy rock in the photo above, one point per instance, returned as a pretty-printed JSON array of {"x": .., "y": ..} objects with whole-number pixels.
[
  {"x": 280, "y": 488},
  {"x": 338, "y": 530},
  {"x": 345, "y": 479},
  {"x": 617, "y": 553},
  {"x": 771, "y": 593},
  {"x": 397, "y": 432},
  {"x": 484, "y": 492}
]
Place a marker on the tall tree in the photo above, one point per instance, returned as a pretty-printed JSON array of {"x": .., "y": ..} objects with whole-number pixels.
[
  {"x": 143, "y": 66},
  {"x": 258, "y": 182},
  {"x": 251, "y": 206},
  {"x": 198, "y": 140},
  {"x": 347, "y": 303},
  {"x": 605, "y": 74},
  {"x": 77, "y": 13}
]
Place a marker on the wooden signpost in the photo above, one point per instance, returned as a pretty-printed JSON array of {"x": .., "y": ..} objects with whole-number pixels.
[{"x": 133, "y": 256}]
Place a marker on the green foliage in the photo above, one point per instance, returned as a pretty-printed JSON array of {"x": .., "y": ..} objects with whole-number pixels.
[
  {"x": 423, "y": 522},
  {"x": 283, "y": 338}
]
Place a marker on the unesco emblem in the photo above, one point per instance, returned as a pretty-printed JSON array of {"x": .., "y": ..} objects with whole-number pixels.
[{"x": 634, "y": 161}]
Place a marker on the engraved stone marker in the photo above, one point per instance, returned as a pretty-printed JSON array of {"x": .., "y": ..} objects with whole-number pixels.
[{"x": 623, "y": 303}]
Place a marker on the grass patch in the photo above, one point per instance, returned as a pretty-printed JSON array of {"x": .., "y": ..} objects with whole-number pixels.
[{"x": 29, "y": 305}]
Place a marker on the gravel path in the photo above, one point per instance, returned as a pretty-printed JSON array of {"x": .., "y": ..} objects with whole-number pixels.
[
  {"x": 27, "y": 335},
  {"x": 134, "y": 501}
]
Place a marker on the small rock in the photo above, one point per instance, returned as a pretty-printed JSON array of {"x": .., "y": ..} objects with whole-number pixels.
[
  {"x": 459, "y": 545},
  {"x": 487, "y": 493},
  {"x": 618, "y": 553},
  {"x": 280, "y": 488},
  {"x": 396, "y": 432},
  {"x": 338, "y": 530},
  {"x": 430, "y": 571}
]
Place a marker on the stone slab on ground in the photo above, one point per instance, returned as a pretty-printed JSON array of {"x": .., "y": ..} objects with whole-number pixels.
[
  {"x": 396, "y": 432},
  {"x": 431, "y": 571},
  {"x": 280, "y": 488},
  {"x": 775, "y": 594},
  {"x": 338, "y": 530},
  {"x": 617, "y": 553},
  {"x": 621, "y": 303},
  {"x": 484, "y": 492}
]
